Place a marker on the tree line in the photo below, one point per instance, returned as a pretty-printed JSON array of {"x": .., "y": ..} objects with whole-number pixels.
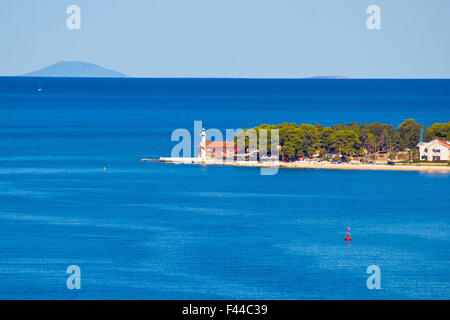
[{"x": 352, "y": 139}]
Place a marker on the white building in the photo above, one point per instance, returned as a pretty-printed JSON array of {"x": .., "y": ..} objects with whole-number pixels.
[{"x": 434, "y": 150}]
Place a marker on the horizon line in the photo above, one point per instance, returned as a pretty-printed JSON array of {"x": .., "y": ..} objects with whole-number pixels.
[{"x": 237, "y": 78}]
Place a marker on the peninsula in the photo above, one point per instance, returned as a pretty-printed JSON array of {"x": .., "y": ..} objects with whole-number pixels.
[{"x": 349, "y": 146}]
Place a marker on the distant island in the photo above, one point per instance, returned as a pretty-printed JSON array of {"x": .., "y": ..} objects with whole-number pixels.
[
  {"x": 329, "y": 77},
  {"x": 75, "y": 69}
]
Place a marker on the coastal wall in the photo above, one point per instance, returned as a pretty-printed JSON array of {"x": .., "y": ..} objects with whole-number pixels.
[{"x": 308, "y": 165}]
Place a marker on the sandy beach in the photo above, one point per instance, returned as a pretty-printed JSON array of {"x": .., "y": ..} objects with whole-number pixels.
[{"x": 309, "y": 165}]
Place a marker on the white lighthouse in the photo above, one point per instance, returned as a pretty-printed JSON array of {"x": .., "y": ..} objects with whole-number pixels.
[{"x": 202, "y": 153}]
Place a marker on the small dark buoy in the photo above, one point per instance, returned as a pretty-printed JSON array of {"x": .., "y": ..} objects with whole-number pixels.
[{"x": 348, "y": 238}]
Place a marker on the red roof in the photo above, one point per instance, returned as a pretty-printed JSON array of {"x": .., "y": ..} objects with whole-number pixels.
[
  {"x": 444, "y": 143},
  {"x": 220, "y": 144}
]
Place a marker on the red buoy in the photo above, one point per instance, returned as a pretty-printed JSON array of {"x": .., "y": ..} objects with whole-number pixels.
[{"x": 348, "y": 238}]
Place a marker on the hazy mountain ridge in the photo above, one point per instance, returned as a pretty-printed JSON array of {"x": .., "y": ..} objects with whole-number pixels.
[
  {"x": 74, "y": 69},
  {"x": 329, "y": 77}
]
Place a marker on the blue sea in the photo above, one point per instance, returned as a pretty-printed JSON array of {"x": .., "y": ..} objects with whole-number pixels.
[{"x": 163, "y": 231}]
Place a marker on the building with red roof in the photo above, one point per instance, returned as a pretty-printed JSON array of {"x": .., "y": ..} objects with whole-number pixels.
[
  {"x": 215, "y": 149},
  {"x": 434, "y": 150},
  {"x": 220, "y": 149}
]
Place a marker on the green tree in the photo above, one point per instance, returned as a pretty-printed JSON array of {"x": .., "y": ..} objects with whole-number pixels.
[
  {"x": 325, "y": 137},
  {"x": 377, "y": 137},
  {"x": 310, "y": 138},
  {"x": 413, "y": 154},
  {"x": 306, "y": 140},
  {"x": 438, "y": 131},
  {"x": 409, "y": 133},
  {"x": 356, "y": 127},
  {"x": 344, "y": 142},
  {"x": 292, "y": 146}
]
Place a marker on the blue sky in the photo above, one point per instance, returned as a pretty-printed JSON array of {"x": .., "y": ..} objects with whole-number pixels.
[{"x": 231, "y": 38}]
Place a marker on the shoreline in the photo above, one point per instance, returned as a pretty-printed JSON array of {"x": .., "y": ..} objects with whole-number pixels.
[{"x": 305, "y": 165}]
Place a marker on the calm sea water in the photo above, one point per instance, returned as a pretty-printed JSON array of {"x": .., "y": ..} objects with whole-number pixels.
[{"x": 162, "y": 231}]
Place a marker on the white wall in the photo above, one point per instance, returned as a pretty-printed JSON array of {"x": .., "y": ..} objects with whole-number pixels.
[{"x": 434, "y": 145}]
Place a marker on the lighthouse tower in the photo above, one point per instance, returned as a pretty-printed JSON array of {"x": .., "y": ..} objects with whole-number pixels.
[{"x": 202, "y": 154}]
